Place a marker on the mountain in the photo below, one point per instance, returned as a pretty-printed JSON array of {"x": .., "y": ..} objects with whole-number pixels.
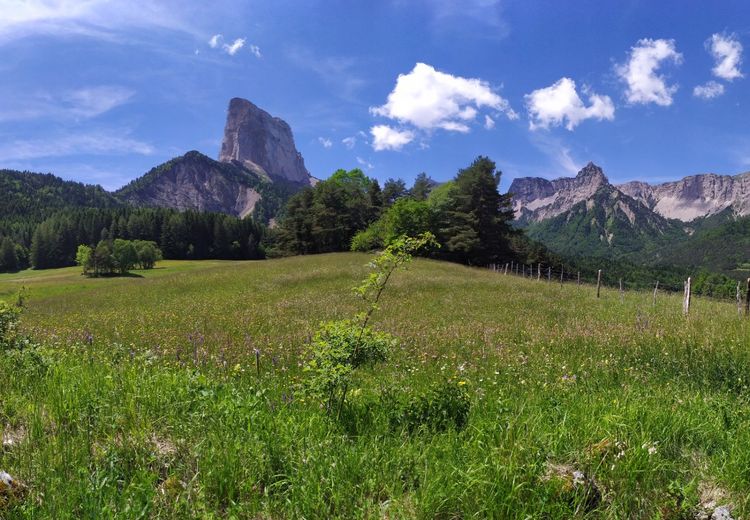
[
  {"x": 262, "y": 144},
  {"x": 700, "y": 221},
  {"x": 197, "y": 182},
  {"x": 259, "y": 167},
  {"x": 695, "y": 196},
  {"x": 33, "y": 196},
  {"x": 536, "y": 199},
  {"x": 607, "y": 224}
]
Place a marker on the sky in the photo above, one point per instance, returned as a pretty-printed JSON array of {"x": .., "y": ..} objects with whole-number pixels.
[{"x": 100, "y": 91}]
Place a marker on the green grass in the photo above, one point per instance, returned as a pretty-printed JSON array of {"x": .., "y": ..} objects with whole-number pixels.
[{"x": 163, "y": 414}]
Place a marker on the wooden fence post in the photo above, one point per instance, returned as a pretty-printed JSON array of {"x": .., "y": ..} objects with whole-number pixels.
[
  {"x": 549, "y": 274},
  {"x": 747, "y": 298},
  {"x": 621, "y": 293},
  {"x": 506, "y": 269},
  {"x": 579, "y": 277},
  {"x": 561, "y": 275},
  {"x": 739, "y": 300},
  {"x": 598, "y": 282},
  {"x": 656, "y": 289},
  {"x": 686, "y": 303},
  {"x": 538, "y": 271}
]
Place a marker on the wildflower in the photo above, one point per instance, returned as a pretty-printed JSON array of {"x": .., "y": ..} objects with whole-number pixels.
[{"x": 461, "y": 383}]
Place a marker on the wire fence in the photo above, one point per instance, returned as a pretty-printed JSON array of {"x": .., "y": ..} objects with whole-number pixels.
[{"x": 558, "y": 274}]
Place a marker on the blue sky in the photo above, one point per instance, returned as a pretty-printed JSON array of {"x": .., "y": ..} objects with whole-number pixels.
[{"x": 102, "y": 90}]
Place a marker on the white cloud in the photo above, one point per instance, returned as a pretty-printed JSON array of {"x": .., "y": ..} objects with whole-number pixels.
[
  {"x": 387, "y": 138},
  {"x": 644, "y": 84},
  {"x": 327, "y": 143},
  {"x": 215, "y": 40},
  {"x": 255, "y": 50},
  {"x": 92, "y": 18},
  {"x": 489, "y": 123},
  {"x": 710, "y": 90},
  {"x": 93, "y": 101},
  {"x": 349, "y": 142},
  {"x": 429, "y": 99},
  {"x": 232, "y": 48},
  {"x": 82, "y": 103},
  {"x": 560, "y": 104},
  {"x": 727, "y": 52},
  {"x": 365, "y": 163},
  {"x": 103, "y": 143}
]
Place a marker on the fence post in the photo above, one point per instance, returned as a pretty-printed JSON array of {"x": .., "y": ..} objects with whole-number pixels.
[
  {"x": 506, "y": 269},
  {"x": 538, "y": 271},
  {"x": 739, "y": 300},
  {"x": 747, "y": 298},
  {"x": 598, "y": 282},
  {"x": 561, "y": 275},
  {"x": 549, "y": 273},
  {"x": 656, "y": 289},
  {"x": 686, "y": 303},
  {"x": 579, "y": 277},
  {"x": 621, "y": 293}
]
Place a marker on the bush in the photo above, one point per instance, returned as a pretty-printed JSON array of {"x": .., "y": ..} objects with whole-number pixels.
[
  {"x": 8, "y": 322},
  {"x": 442, "y": 406},
  {"x": 337, "y": 348}
]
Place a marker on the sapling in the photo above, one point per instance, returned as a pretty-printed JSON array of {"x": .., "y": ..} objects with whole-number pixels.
[{"x": 341, "y": 346}]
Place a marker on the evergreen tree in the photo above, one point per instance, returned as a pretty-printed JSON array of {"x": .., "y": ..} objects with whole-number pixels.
[
  {"x": 393, "y": 189},
  {"x": 478, "y": 216},
  {"x": 8, "y": 256},
  {"x": 422, "y": 187}
]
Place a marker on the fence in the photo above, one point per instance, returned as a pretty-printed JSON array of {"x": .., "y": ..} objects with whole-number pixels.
[{"x": 540, "y": 272}]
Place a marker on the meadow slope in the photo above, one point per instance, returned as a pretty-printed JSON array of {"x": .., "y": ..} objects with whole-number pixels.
[{"x": 179, "y": 394}]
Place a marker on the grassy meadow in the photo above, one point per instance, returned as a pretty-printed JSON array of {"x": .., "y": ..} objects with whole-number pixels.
[{"x": 179, "y": 393}]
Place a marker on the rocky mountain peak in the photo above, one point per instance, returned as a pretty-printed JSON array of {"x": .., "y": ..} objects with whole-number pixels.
[
  {"x": 262, "y": 143},
  {"x": 592, "y": 173}
]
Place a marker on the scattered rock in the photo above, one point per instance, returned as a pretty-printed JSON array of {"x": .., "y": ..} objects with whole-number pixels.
[
  {"x": 11, "y": 490},
  {"x": 713, "y": 503},
  {"x": 12, "y": 437},
  {"x": 574, "y": 485}
]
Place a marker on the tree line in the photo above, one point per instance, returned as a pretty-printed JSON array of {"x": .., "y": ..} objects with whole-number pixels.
[
  {"x": 179, "y": 235},
  {"x": 349, "y": 211}
]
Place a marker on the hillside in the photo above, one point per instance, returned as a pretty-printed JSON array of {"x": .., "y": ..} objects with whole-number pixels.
[
  {"x": 196, "y": 182},
  {"x": 608, "y": 224},
  {"x": 33, "y": 196},
  {"x": 194, "y": 400}
]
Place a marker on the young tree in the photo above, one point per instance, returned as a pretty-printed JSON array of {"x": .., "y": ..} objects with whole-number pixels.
[
  {"x": 124, "y": 255},
  {"x": 148, "y": 253},
  {"x": 84, "y": 258},
  {"x": 102, "y": 261}
]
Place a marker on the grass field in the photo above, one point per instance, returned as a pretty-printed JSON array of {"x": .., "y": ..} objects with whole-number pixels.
[{"x": 144, "y": 399}]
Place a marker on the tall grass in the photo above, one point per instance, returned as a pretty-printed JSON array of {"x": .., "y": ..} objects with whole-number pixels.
[{"x": 144, "y": 400}]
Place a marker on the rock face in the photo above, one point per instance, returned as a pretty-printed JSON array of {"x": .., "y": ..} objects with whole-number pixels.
[
  {"x": 695, "y": 196},
  {"x": 536, "y": 199},
  {"x": 196, "y": 182},
  {"x": 262, "y": 143}
]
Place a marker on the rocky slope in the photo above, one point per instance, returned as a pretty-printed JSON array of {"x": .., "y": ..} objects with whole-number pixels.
[
  {"x": 263, "y": 144},
  {"x": 608, "y": 223},
  {"x": 695, "y": 196},
  {"x": 536, "y": 199},
  {"x": 196, "y": 182}
]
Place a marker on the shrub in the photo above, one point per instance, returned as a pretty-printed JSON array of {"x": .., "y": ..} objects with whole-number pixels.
[
  {"x": 8, "y": 322},
  {"x": 442, "y": 406},
  {"x": 339, "y": 347}
]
